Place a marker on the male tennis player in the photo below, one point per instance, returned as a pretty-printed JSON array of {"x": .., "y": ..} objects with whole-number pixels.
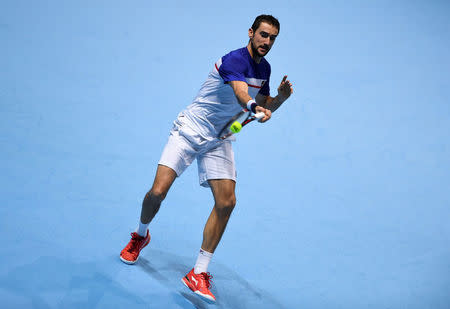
[{"x": 240, "y": 79}]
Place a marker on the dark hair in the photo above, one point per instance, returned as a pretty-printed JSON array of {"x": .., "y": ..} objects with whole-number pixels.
[{"x": 267, "y": 19}]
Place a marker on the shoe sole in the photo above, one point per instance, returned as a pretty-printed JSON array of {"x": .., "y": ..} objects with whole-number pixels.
[
  {"x": 203, "y": 296},
  {"x": 128, "y": 262}
]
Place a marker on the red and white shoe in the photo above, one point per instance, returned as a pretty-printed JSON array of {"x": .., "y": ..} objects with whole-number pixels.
[
  {"x": 130, "y": 253},
  {"x": 199, "y": 284}
]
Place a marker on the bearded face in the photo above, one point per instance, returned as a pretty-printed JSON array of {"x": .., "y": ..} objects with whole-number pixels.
[{"x": 262, "y": 39}]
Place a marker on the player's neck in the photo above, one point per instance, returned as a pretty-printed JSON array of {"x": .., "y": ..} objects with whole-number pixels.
[{"x": 253, "y": 54}]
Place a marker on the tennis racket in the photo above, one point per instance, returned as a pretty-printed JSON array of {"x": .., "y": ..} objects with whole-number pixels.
[{"x": 238, "y": 121}]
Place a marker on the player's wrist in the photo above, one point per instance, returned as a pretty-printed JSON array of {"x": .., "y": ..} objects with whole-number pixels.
[{"x": 251, "y": 106}]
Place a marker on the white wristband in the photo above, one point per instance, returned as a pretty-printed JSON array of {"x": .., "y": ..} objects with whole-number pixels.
[{"x": 251, "y": 106}]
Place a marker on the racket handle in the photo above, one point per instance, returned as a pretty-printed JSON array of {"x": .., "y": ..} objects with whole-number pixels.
[{"x": 259, "y": 115}]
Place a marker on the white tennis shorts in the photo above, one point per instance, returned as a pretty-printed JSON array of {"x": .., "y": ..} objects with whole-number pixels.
[{"x": 215, "y": 159}]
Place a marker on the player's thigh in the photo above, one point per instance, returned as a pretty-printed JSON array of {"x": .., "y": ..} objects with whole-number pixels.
[
  {"x": 223, "y": 191},
  {"x": 217, "y": 163},
  {"x": 177, "y": 155},
  {"x": 164, "y": 178}
]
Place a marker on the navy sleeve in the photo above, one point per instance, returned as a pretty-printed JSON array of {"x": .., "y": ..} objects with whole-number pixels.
[
  {"x": 233, "y": 68},
  {"x": 265, "y": 89}
]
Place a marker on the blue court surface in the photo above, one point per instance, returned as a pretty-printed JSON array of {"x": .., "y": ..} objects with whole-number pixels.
[{"x": 343, "y": 196}]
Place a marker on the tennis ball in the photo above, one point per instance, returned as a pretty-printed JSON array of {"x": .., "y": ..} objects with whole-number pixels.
[{"x": 236, "y": 127}]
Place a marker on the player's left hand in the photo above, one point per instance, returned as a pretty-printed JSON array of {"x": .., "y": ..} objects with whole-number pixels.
[{"x": 285, "y": 89}]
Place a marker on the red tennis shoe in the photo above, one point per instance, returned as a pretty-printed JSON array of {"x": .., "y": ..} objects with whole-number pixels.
[
  {"x": 130, "y": 253},
  {"x": 199, "y": 284}
]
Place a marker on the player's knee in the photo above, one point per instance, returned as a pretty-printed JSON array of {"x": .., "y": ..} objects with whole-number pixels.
[
  {"x": 156, "y": 194},
  {"x": 226, "y": 205}
]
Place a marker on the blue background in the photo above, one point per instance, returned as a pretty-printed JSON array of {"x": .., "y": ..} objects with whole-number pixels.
[{"x": 343, "y": 197}]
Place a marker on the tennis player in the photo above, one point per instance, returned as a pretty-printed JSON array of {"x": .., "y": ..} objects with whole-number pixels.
[{"x": 238, "y": 80}]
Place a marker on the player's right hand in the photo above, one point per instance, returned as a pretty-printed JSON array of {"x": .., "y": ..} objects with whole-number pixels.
[{"x": 267, "y": 112}]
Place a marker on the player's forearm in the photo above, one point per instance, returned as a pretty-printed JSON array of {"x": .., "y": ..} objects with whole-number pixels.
[
  {"x": 241, "y": 92},
  {"x": 243, "y": 98},
  {"x": 273, "y": 103}
]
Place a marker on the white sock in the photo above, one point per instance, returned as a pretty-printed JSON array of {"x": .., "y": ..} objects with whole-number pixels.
[
  {"x": 142, "y": 229},
  {"x": 204, "y": 257}
]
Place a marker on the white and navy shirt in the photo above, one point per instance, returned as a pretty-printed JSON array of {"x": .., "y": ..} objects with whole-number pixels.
[{"x": 216, "y": 102}]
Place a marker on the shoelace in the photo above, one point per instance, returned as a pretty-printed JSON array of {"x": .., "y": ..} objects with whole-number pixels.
[
  {"x": 207, "y": 277},
  {"x": 135, "y": 242}
]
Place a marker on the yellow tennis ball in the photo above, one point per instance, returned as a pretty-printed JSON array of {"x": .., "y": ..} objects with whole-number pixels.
[{"x": 236, "y": 127}]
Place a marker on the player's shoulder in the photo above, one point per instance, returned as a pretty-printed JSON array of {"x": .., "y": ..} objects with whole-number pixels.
[
  {"x": 237, "y": 55},
  {"x": 234, "y": 61}
]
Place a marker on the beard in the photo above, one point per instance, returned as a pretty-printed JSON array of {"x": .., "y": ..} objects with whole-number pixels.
[{"x": 255, "y": 50}]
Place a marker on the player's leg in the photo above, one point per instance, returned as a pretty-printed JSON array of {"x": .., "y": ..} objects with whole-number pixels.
[
  {"x": 217, "y": 171},
  {"x": 198, "y": 279},
  {"x": 176, "y": 157},
  {"x": 224, "y": 201},
  {"x": 165, "y": 176}
]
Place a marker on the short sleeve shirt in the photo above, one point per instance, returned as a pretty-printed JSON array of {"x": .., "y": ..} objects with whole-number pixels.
[{"x": 216, "y": 103}]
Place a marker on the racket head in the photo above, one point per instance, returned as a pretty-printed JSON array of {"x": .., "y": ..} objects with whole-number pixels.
[{"x": 241, "y": 117}]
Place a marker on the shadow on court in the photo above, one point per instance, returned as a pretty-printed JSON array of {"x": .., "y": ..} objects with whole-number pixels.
[
  {"x": 231, "y": 290},
  {"x": 51, "y": 282}
]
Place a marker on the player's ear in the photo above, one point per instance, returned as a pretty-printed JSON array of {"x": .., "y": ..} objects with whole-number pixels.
[{"x": 250, "y": 33}]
